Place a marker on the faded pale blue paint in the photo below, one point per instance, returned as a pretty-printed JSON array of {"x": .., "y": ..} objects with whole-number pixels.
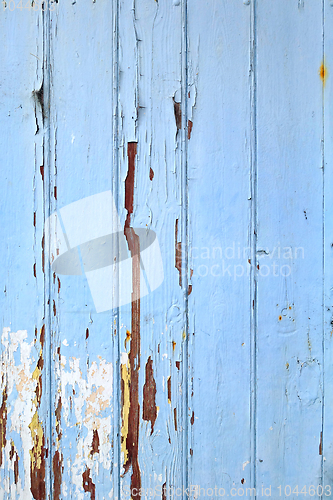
[{"x": 232, "y": 172}]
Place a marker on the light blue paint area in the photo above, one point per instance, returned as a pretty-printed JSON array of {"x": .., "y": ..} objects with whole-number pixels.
[{"x": 229, "y": 113}]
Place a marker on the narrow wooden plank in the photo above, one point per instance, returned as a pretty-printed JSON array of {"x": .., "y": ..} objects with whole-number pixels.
[
  {"x": 83, "y": 454},
  {"x": 326, "y": 76},
  {"x": 219, "y": 184},
  {"x": 150, "y": 198},
  {"x": 24, "y": 396},
  {"x": 289, "y": 246}
]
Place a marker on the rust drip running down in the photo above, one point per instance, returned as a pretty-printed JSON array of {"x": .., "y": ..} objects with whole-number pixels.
[
  {"x": 42, "y": 172},
  {"x": 151, "y": 174},
  {"x": 164, "y": 491},
  {"x": 3, "y": 422},
  {"x": 59, "y": 285},
  {"x": 43, "y": 253},
  {"x": 55, "y": 192},
  {"x": 169, "y": 389},
  {"x": 133, "y": 242},
  {"x": 34, "y": 270},
  {"x": 58, "y": 469},
  {"x": 189, "y": 129},
  {"x": 87, "y": 483},
  {"x": 54, "y": 309},
  {"x": 191, "y": 452},
  {"x": 192, "y": 418},
  {"x": 149, "y": 396},
  {"x": 87, "y": 333},
  {"x": 178, "y": 365},
  {"x": 175, "y": 418},
  {"x": 95, "y": 443},
  {"x": 189, "y": 290},
  {"x": 34, "y": 219},
  {"x": 12, "y": 454},
  {"x": 321, "y": 444},
  {"x": 178, "y": 114},
  {"x": 178, "y": 254}
]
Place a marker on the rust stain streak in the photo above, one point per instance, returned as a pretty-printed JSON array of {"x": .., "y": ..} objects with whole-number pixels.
[
  {"x": 189, "y": 129},
  {"x": 178, "y": 365},
  {"x": 42, "y": 172},
  {"x": 3, "y": 422},
  {"x": 43, "y": 253},
  {"x": 12, "y": 454},
  {"x": 133, "y": 242},
  {"x": 87, "y": 333},
  {"x": 57, "y": 473},
  {"x": 149, "y": 395},
  {"x": 192, "y": 418},
  {"x": 95, "y": 443},
  {"x": 321, "y": 444},
  {"x": 169, "y": 389},
  {"x": 164, "y": 491},
  {"x": 57, "y": 462},
  {"x": 87, "y": 483},
  {"x": 178, "y": 114},
  {"x": 151, "y": 174},
  {"x": 178, "y": 254},
  {"x": 175, "y": 418}
]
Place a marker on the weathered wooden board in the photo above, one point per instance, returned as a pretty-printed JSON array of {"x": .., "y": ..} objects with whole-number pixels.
[{"x": 166, "y": 275}]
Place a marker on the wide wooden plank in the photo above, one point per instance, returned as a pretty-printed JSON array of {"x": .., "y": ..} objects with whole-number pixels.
[
  {"x": 289, "y": 245},
  {"x": 151, "y": 325},
  {"x": 24, "y": 395},
  {"x": 82, "y": 219},
  {"x": 220, "y": 210}
]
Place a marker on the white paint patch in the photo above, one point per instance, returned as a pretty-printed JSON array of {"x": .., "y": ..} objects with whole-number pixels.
[
  {"x": 91, "y": 400},
  {"x": 90, "y": 397}
]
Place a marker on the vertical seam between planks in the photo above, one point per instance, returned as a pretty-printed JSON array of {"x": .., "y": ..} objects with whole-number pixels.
[
  {"x": 47, "y": 209},
  {"x": 323, "y": 243},
  {"x": 184, "y": 195},
  {"x": 253, "y": 304},
  {"x": 116, "y": 176}
]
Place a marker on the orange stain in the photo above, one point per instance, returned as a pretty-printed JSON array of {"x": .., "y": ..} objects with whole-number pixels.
[{"x": 323, "y": 73}]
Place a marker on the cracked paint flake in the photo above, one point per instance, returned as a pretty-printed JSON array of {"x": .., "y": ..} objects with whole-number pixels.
[{"x": 149, "y": 395}]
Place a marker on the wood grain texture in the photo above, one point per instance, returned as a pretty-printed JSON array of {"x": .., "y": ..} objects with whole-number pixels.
[
  {"x": 24, "y": 400},
  {"x": 220, "y": 254},
  {"x": 165, "y": 288},
  {"x": 289, "y": 353}
]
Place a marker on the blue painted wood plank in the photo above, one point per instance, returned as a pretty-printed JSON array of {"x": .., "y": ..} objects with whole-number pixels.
[
  {"x": 220, "y": 200},
  {"x": 150, "y": 177},
  {"x": 81, "y": 142},
  {"x": 24, "y": 395},
  {"x": 325, "y": 70},
  {"x": 289, "y": 245}
]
